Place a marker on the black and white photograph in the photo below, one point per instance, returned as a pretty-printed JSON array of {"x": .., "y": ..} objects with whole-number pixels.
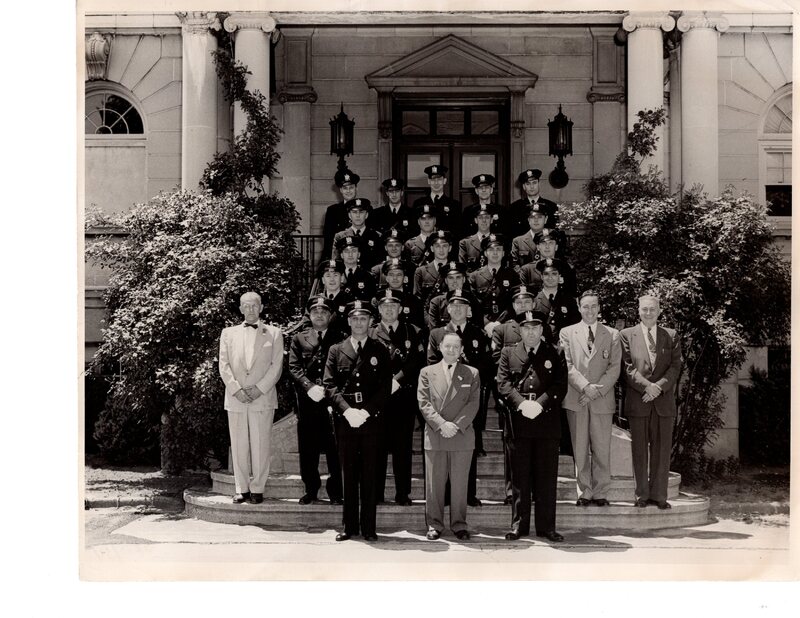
[{"x": 435, "y": 292}]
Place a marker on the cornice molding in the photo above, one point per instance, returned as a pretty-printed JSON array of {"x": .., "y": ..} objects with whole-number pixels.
[
  {"x": 691, "y": 20},
  {"x": 198, "y": 22},
  {"x": 98, "y": 47},
  {"x": 250, "y": 21},
  {"x": 658, "y": 20}
]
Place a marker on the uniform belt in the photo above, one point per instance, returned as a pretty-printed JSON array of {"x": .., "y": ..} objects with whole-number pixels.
[
  {"x": 529, "y": 396},
  {"x": 358, "y": 396}
]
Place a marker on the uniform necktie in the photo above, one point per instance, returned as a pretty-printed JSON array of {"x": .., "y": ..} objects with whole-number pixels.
[
  {"x": 394, "y": 211},
  {"x": 391, "y": 331},
  {"x": 459, "y": 331},
  {"x": 494, "y": 272},
  {"x": 651, "y": 344},
  {"x": 330, "y": 296},
  {"x": 591, "y": 339},
  {"x": 319, "y": 336},
  {"x": 435, "y": 199},
  {"x": 359, "y": 348},
  {"x": 449, "y": 374},
  {"x": 358, "y": 233},
  {"x": 256, "y": 326},
  {"x": 349, "y": 272}
]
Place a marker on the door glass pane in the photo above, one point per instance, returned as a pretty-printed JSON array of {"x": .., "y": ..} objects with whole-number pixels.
[
  {"x": 415, "y": 166},
  {"x": 476, "y": 163},
  {"x": 450, "y": 122},
  {"x": 485, "y": 122},
  {"x": 416, "y": 122}
]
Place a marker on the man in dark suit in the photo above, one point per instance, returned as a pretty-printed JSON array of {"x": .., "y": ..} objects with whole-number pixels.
[
  {"x": 358, "y": 382},
  {"x": 395, "y": 215},
  {"x": 336, "y": 215},
  {"x": 449, "y": 396},
  {"x": 307, "y": 355},
  {"x": 651, "y": 358},
  {"x": 407, "y": 353},
  {"x": 529, "y": 182},
  {"x": 449, "y": 210},
  {"x": 532, "y": 377}
]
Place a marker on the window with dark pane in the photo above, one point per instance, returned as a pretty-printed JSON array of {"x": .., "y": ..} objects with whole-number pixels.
[
  {"x": 450, "y": 122},
  {"x": 779, "y": 200},
  {"x": 110, "y": 114},
  {"x": 416, "y": 122},
  {"x": 485, "y": 122}
]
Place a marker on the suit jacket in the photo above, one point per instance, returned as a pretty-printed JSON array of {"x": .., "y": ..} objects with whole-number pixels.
[
  {"x": 307, "y": 357},
  {"x": 469, "y": 251},
  {"x": 494, "y": 293},
  {"x": 360, "y": 285},
  {"x": 639, "y": 372},
  {"x": 457, "y": 403},
  {"x": 523, "y": 250},
  {"x": 371, "y": 250},
  {"x": 382, "y": 220},
  {"x": 468, "y": 224},
  {"x": 427, "y": 283},
  {"x": 519, "y": 212},
  {"x": 563, "y": 311},
  {"x": 504, "y": 335},
  {"x": 546, "y": 378},
  {"x": 476, "y": 348},
  {"x": 600, "y": 366},
  {"x": 406, "y": 351},
  {"x": 418, "y": 254},
  {"x": 449, "y": 217},
  {"x": 263, "y": 372}
]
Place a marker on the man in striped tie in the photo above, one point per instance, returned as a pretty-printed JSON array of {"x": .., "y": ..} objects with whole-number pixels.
[{"x": 651, "y": 358}]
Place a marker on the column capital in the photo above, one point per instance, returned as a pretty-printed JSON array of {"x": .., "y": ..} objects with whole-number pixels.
[
  {"x": 97, "y": 48},
  {"x": 657, "y": 20},
  {"x": 702, "y": 19},
  {"x": 198, "y": 22},
  {"x": 251, "y": 20}
]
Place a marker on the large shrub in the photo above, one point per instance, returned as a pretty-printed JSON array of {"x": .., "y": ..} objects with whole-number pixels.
[
  {"x": 176, "y": 279},
  {"x": 712, "y": 262}
]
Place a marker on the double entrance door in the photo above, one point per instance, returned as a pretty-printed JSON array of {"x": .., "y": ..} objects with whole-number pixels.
[{"x": 469, "y": 137}]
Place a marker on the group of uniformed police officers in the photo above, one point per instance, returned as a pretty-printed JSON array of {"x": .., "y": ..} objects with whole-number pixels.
[{"x": 392, "y": 283}]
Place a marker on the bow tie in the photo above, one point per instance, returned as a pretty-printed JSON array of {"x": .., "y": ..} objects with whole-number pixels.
[{"x": 251, "y": 325}]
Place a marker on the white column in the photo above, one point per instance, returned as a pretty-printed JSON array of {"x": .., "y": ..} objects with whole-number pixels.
[
  {"x": 646, "y": 69},
  {"x": 253, "y": 32},
  {"x": 674, "y": 119},
  {"x": 198, "y": 96},
  {"x": 699, "y": 100}
]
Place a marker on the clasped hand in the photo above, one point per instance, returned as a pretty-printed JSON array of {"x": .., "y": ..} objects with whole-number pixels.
[
  {"x": 651, "y": 391},
  {"x": 316, "y": 393},
  {"x": 248, "y": 394},
  {"x": 530, "y": 409},
  {"x": 448, "y": 429},
  {"x": 356, "y": 417},
  {"x": 590, "y": 393}
]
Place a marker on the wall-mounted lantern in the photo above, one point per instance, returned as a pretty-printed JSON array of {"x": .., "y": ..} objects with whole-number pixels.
[
  {"x": 560, "y": 146},
  {"x": 342, "y": 137}
]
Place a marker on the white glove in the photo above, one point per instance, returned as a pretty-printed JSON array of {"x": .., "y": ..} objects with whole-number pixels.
[
  {"x": 354, "y": 417},
  {"x": 530, "y": 409},
  {"x": 489, "y": 328},
  {"x": 316, "y": 393},
  {"x": 395, "y": 386}
]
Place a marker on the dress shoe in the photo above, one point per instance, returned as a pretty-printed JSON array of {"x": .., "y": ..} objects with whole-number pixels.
[
  {"x": 337, "y": 501},
  {"x": 370, "y": 538},
  {"x": 307, "y": 499},
  {"x": 342, "y": 536},
  {"x": 474, "y": 502},
  {"x": 432, "y": 534},
  {"x": 663, "y": 505},
  {"x": 404, "y": 501},
  {"x": 462, "y": 535},
  {"x": 600, "y": 502},
  {"x": 552, "y": 536},
  {"x": 640, "y": 503},
  {"x": 241, "y": 498},
  {"x": 513, "y": 535},
  {"x": 256, "y": 498},
  {"x": 582, "y": 502},
  {"x": 509, "y": 500}
]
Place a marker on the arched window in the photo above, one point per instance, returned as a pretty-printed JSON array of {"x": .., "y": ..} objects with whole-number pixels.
[
  {"x": 110, "y": 113},
  {"x": 775, "y": 153}
]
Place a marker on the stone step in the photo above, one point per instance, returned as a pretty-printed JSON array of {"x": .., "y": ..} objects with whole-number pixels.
[
  {"x": 287, "y": 514},
  {"x": 489, "y": 487}
]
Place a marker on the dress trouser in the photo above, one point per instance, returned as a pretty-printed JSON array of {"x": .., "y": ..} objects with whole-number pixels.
[
  {"x": 358, "y": 453},
  {"x": 439, "y": 467},
  {"x": 315, "y": 436},
  {"x": 250, "y": 433},
  {"x": 534, "y": 466},
  {"x": 397, "y": 438},
  {"x": 651, "y": 435},
  {"x": 591, "y": 447}
]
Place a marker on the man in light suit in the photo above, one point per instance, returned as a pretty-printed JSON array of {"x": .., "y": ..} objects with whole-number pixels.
[
  {"x": 593, "y": 355},
  {"x": 448, "y": 393},
  {"x": 651, "y": 355},
  {"x": 250, "y": 363}
]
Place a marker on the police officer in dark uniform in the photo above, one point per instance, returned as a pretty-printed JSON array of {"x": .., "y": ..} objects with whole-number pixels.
[
  {"x": 329, "y": 283},
  {"x": 548, "y": 245},
  {"x": 395, "y": 215},
  {"x": 532, "y": 377},
  {"x": 492, "y": 284},
  {"x": 484, "y": 188},
  {"x": 357, "y": 281},
  {"x": 308, "y": 352},
  {"x": 449, "y": 209},
  {"x": 417, "y": 247},
  {"x": 395, "y": 274},
  {"x": 428, "y": 281},
  {"x": 523, "y": 248},
  {"x": 470, "y": 247},
  {"x": 407, "y": 356},
  {"x": 394, "y": 245},
  {"x": 370, "y": 242},
  {"x": 336, "y": 215},
  {"x": 554, "y": 301},
  {"x": 476, "y": 354},
  {"x": 455, "y": 278},
  {"x": 358, "y": 382},
  {"x": 529, "y": 183}
]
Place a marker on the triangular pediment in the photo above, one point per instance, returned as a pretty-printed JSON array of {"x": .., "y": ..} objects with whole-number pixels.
[{"x": 451, "y": 61}]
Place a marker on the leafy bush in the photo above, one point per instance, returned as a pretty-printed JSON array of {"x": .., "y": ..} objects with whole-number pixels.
[
  {"x": 176, "y": 281},
  {"x": 710, "y": 260},
  {"x": 764, "y": 417}
]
